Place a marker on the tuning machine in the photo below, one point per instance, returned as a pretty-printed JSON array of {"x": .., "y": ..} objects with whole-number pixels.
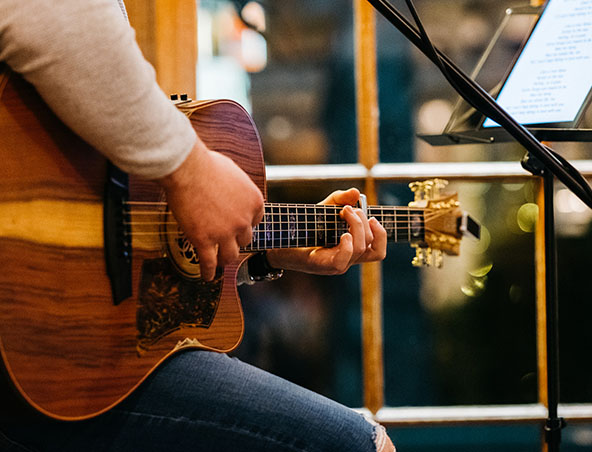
[
  {"x": 426, "y": 190},
  {"x": 427, "y": 257}
]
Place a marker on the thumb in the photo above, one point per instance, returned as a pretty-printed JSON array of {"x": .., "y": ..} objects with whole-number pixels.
[{"x": 342, "y": 198}]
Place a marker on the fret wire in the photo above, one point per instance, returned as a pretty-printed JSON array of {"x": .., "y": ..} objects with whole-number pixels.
[
  {"x": 296, "y": 226},
  {"x": 273, "y": 223},
  {"x": 285, "y": 221},
  {"x": 309, "y": 221},
  {"x": 281, "y": 225},
  {"x": 313, "y": 221},
  {"x": 288, "y": 221},
  {"x": 325, "y": 224},
  {"x": 265, "y": 231}
]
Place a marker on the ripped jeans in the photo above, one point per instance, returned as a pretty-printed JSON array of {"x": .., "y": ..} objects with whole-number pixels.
[{"x": 204, "y": 401}]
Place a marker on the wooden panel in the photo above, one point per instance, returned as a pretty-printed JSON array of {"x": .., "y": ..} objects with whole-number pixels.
[
  {"x": 368, "y": 150},
  {"x": 166, "y": 31}
]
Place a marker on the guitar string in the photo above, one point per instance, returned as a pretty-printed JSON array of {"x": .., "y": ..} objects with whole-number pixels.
[
  {"x": 391, "y": 223},
  {"x": 280, "y": 231},
  {"x": 286, "y": 206},
  {"x": 395, "y": 219},
  {"x": 285, "y": 227},
  {"x": 390, "y": 226}
]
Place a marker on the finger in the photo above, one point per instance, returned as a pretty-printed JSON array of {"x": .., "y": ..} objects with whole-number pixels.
[
  {"x": 207, "y": 262},
  {"x": 258, "y": 217},
  {"x": 377, "y": 249},
  {"x": 342, "y": 198},
  {"x": 380, "y": 238},
  {"x": 227, "y": 252},
  {"x": 357, "y": 230},
  {"x": 368, "y": 235},
  {"x": 342, "y": 254}
]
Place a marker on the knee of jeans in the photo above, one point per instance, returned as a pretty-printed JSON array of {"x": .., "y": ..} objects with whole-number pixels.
[{"x": 382, "y": 441}]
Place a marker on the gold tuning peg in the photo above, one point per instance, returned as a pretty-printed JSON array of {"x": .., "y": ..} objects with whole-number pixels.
[
  {"x": 419, "y": 190},
  {"x": 427, "y": 190},
  {"x": 433, "y": 187},
  {"x": 427, "y": 257},
  {"x": 435, "y": 258},
  {"x": 420, "y": 259}
]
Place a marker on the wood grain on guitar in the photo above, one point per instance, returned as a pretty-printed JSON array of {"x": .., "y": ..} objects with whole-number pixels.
[{"x": 69, "y": 350}]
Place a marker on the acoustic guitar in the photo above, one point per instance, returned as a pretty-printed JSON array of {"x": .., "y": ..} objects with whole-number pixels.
[{"x": 98, "y": 284}]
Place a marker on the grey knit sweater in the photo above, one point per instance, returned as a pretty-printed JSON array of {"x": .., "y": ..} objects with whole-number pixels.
[{"x": 83, "y": 59}]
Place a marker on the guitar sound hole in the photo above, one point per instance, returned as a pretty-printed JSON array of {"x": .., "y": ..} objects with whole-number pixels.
[
  {"x": 186, "y": 249},
  {"x": 179, "y": 248}
]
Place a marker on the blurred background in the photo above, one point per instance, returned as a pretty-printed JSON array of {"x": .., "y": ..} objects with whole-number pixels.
[{"x": 461, "y": 335}]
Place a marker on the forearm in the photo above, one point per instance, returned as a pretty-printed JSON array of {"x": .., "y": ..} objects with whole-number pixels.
[{"x": 82, "y": 58}]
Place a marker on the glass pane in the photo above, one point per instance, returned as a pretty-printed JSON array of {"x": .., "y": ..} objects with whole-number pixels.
[
  {"x": 576, "y": 437},
  {"x": 397, "y": 93},
  {"x": 295, "y": 74},
  {"x": 469, "y": 439},
  {"x": 307, "y": 328},
  {"x": 575, "y": 310},
  {"x": 464, "y": 334},
  {"x": 516, "y": 438}
]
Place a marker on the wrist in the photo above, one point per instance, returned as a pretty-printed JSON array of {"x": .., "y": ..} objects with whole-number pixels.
[
  {"x": 188, "y": 169},
  {"x": 260, "y": 269}
]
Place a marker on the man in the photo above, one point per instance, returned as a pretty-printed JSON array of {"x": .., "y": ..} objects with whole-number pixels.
[{"x": 82, "y": 58}]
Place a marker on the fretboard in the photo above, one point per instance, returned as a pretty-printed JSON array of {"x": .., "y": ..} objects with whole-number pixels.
[{"x": 305, "y": 225}]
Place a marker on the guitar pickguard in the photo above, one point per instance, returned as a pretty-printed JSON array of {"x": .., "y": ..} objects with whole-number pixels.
[{"x": 168, "y": 301}]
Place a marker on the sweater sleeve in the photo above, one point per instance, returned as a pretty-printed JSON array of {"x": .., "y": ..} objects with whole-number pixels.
[{"x": 82, "y": 58}]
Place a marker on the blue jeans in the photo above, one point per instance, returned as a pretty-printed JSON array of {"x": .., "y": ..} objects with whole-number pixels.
[{"x": 203, "y": 401}]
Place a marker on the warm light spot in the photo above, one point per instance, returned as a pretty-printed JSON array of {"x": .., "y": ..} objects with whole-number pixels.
[
  {"x": 254, "y": 14},
  {"x": 513, "y": 187},
  {"x": 474, "y": 287},
  {"x": 527, "y": 216},
  {"x": 253, "y": 50},
  {"x": 515, "y": 293},
  {"x": 433, "y": 116},
  {"x": 481, "y": 271},
  {"x": 567, "y": 202},
  {"x": 279, "y": 128}
]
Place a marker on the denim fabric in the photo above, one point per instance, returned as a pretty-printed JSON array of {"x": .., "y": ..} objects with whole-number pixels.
[{"x": 203, "y": 401}]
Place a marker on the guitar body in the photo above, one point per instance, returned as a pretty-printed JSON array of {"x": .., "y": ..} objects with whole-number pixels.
[{"x": 68, "y": 349}]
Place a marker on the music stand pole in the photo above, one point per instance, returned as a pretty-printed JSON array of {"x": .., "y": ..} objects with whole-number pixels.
[{"x": 554, "y": 423}]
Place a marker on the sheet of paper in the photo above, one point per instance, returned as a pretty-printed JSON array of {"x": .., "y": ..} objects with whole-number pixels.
[{"x": 553, "y": 74}]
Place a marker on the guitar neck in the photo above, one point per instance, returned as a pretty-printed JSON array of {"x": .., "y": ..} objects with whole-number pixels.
[{"x": 306, "y": 225}]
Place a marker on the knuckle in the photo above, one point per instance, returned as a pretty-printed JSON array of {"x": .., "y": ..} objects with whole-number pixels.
[
  {"x": 358, "y": 215},
  {"x": 245, "y": 236},
  {"x": 360, "y": 249}
]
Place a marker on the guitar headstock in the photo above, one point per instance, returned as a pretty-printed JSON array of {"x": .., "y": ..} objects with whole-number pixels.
[{"x": 444, "y": 223}]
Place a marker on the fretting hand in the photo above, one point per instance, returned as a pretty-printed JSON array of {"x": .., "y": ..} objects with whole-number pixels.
[{"x": 365, "y": 242}]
